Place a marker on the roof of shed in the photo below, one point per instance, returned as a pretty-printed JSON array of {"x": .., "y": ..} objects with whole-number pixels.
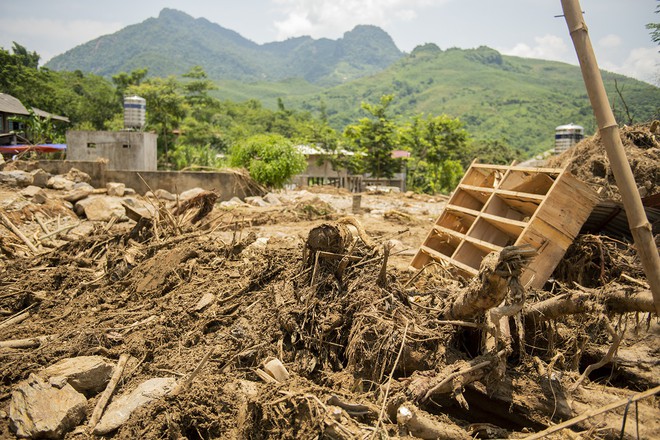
[{"x": 9, "y": 104}]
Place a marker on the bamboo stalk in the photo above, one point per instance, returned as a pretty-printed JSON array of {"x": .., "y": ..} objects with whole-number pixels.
[
  {"x": 109, "y": 390},
  {"x": 18, "y": 233},
  {"x": 186, "y": 381},
  {"x": 594, "y": 412},
  {"x": 26, "y": 343},
  {"x": 609, "y": 131}
]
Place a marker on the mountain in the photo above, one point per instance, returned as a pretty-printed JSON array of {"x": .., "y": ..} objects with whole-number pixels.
[
  {"x": 174, "y": 42},
  {"x": 518, "y": 101}
]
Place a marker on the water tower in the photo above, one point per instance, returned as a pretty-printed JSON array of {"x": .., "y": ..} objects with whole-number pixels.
[
  {"x": 566, "y": 136},
  {"x": 135, "y": 109}
]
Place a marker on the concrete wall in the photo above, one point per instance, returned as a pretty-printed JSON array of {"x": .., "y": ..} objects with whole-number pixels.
[
  {"x": 225, "y": 183},
  {"x": 125, "y": 150}
]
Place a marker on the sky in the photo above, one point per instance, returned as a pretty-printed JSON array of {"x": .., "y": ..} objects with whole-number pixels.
[{"x": 526, "y": 28}]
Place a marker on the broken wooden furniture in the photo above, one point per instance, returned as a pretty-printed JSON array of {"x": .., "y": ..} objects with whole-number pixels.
[{"x": 495, "y": 206}]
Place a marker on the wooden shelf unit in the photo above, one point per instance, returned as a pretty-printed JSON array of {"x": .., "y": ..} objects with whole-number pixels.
[{"x": 496, "y": 206}]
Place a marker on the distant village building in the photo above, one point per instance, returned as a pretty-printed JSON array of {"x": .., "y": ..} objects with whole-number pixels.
[
  {"x": 11, "y": 107},
  {"x": 124, "y": 150}
]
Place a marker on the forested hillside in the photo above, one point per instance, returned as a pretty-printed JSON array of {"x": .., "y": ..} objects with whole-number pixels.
[{"x": 174, "y": 42}]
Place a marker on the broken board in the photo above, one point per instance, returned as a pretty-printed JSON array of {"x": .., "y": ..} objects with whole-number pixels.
[{"x": 498, "y": 205}]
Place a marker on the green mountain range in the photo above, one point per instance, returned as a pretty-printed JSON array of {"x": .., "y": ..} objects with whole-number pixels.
[
  {"x": 174, "y": 42},
  {"x": 517, "y": 101}
]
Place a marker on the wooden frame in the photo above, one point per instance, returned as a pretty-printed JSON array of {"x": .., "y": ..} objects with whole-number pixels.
[{"x": 498, "y": 205}]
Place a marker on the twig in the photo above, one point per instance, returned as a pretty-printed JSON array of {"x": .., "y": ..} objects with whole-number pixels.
[
  {"x": 26, "y": 343},
  {"x": 594, "y": 412},
  {"x": 109, "y": 390},
  {"x": 18, "y": 317},
  {"x": 616, "y": 340},
  {"x": 389, "y": 381},
  {"x": 186, "y": 381},
  {"x": 18, "y": 233},
  {"x": 56, "y": 232}
]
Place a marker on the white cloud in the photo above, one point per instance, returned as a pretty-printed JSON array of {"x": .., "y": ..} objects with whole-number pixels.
[
  {"x": 642, "y": 63},
  {"x": 610, "y": 41},
  {"x": 333, "y": 18},
  {"x": 547, "y": 47},
  {"x": 51, "y": 35}
]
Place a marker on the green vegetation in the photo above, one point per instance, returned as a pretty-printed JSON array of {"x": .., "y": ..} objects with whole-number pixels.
[{"x": 271, "y": 159}]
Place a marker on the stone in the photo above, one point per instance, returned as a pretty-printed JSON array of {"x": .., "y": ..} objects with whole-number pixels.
[
  {"x": 121, "y": 408},
  {"x": 100, "y": 208},
  {"x": 40, "y": 410},
  {"x": 272, "y": 199},
  {"x": 190, "y": 194},
  {"x": 77, "y": 194},
  {"x": 83, "y": 373},
  {"x": 84, "y": 185},
  {"x": 75, "y": 175},
  {"x": 40, "y": 177},
  {"x": 30, "y": 191},
  {"x": 60, "y": 182},
  {"x": 204, "y": 302},
  {"x": 136, "y": 210},
  {"x": 256, "y": 201},
  {"x": 21, "y": 178},
  {"x": 116, "y": 189},
  {"x": 40, "y": 197},
  {"x": 164, "y": 195},
  {"x": 129, "y": 192}
]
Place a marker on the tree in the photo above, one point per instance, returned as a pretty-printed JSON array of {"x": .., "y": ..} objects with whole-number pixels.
[
  {"x": 123, "y": 80},
  {"x": 270, "y": 159},
  {"x": 377, "y": 136},
  {"x": 439, "y": 152},
  {"x": 197, "y": 88},
  {"x": 655, "y": 28}
]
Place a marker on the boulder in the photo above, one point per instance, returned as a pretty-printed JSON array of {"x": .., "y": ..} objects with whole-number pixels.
[
  {"x": 256, "y": 201},
  {"x": 40, "y": 177},
  {"x": 164, "y": 195},
  {"x": 190, "y": 194},
  {"x": 41, "y": 410},
  {"x": 60, "y": 182},
  {"x": 75, "y": 175},
  {"x": 84, "y": 185},
  {"x": 77, "y": 194},
  {"x": 20, "y": 178},
  {"x": 122, "y": 407},
  {"x": 116, "y": 189},
  {"x": 30, "y": 191},
  {"x": 100, "y": 208},
  {"x": 83, "y": 373},
  {"x": 272, "y": 199}
]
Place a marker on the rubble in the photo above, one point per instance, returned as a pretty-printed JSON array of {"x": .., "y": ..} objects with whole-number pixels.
[
  {"x": 299, "y": 320},
  {"x": 83, "y": 373}
]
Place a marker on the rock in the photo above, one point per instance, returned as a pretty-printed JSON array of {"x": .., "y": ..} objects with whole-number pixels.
[
  {"x": 204, "y": 302},
  {"x": 83, "y": 373},
  {"x": 20, "y": 178},
  {"x": 256, "y": 201},
  {"x": 75, "y": 175},
  {"x": 116, "y": 189},
  {"x": 272, "y": 199},
  {"x": 122, "y": 407},
  {"x": 40, "y": 410},
  {"x": 136, "y": 210},
  {"x": 40, "y": 197},
  {"x": 40, "y": 177},
  {"x": 77, "y": 194},
  {"x": 30, "y": 191},
  {"x": 129, "y": 192},
  {"x": 100, "y": 208},
  {"x": 60, "y": 182},
  {"x": 164, "y": 195},
  {"x": 191, "y": 193},
  {"x": 84, "y": 185}
]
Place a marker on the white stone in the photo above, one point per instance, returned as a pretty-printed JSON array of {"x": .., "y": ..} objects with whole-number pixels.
[
  {"x": 116, "y": 189},
  {"x": 164, "y": 195},
  {"x": 83, "y": 373},
  {"x": 40, "y": 410},
  {"x": 100, "y": 208},
  {"x": 256, "y": 201},
  {"x": 121, "y": 408},
  {"x": 77, "y": 194},
  {"x": 60, "y": 182},
  {"x": 30, "y": 191},
  {"x": 22, "y": 178},
  {"x": 75, "y": 175},
  {"x": 191, "y": 193},
  {"x": 272, "y": 199},
  {"x": 204, "y": 302}
]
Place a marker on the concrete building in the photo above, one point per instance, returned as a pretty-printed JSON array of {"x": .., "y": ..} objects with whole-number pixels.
[{"x": 124, "y": 150}]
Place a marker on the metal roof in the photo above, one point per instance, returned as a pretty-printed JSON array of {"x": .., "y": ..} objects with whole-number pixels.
[
  {"x": 609, "y": 218},
  {"x": 9, "y": 104},
  {"x": 45, "y": 114}
]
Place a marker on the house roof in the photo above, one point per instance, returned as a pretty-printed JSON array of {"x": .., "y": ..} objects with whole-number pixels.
[
  {"x": 45, "y": 114},
  {"x": 309, "y": 150},
  {"x": 9, "y": 104}
]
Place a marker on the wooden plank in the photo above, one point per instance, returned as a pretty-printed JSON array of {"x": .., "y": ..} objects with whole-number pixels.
[
  {"x": 440, "y": 257},
  {"x": 478, "y": 192},
  {"x": 512, "y": 227},
  {"x": 556, "y": 171}
]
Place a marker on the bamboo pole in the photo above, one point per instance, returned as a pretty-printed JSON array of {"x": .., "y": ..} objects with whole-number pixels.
[
  {"x": 109, "y": 390},
  {"x": 609, "y": 132}
]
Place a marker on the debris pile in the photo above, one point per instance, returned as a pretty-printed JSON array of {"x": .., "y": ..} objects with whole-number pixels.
[{"x": 189, "y": 318}]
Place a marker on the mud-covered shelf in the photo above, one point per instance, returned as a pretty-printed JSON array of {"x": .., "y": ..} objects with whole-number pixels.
[{"x": 496, "y": 206}]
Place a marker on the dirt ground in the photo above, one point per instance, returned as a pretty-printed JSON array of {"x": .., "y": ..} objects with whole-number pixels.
[{"x": 361, "y": 335}]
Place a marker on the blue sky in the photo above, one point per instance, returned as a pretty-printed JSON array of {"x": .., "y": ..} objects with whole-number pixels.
[{"x": 525, "y": 28}]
